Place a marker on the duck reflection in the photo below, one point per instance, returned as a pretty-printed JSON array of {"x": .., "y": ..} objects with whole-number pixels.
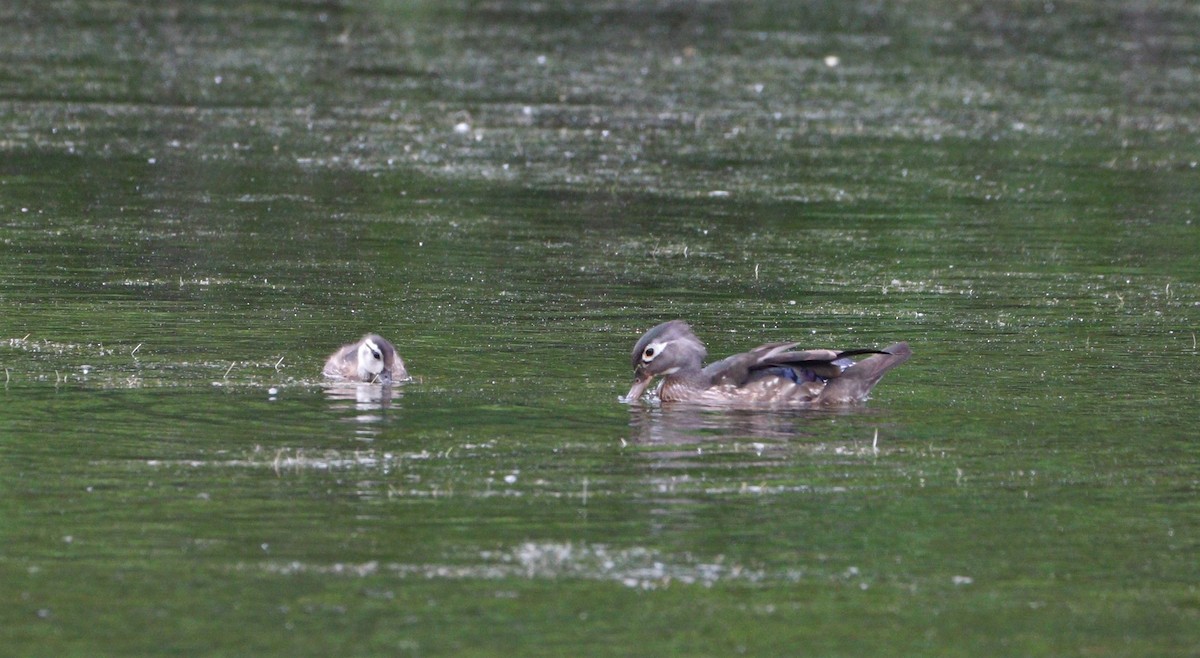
[
  {"x": 680, "y": 431},
  {"x": 366, "y": 402},
  {"x": 681, "y": 425}
]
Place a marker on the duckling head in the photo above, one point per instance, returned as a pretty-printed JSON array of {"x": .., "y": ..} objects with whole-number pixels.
[{"x": 374, "y": 357}]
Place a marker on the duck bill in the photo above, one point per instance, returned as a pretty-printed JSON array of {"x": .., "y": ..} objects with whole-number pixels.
[{"x": 640, "y": 382}]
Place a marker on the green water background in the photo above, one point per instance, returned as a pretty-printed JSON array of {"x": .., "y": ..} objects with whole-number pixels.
[{"x": 199, "y": 201}]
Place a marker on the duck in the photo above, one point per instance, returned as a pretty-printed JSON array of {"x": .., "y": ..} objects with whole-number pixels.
[
  {"x": 372, "y": 360},
  {"x": 770, "y": 374}
]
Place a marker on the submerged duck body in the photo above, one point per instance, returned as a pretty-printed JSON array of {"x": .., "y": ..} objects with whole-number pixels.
[
  {"x": 771, "y": 374},
  {"x": 372, "y": 359}
]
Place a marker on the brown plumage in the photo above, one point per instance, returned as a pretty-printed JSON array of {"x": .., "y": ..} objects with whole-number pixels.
[
  {"x": 372, "y": 359},
  {"x": 771, "y": 374}
]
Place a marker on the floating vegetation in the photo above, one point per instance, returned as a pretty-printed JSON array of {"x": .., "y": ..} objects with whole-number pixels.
[
  {"x": 636, "y": 567},
  {"x": 130, "y": 366}
]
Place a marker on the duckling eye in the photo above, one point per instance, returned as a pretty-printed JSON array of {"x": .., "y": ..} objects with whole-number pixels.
[{"x": 377, "y": 356}]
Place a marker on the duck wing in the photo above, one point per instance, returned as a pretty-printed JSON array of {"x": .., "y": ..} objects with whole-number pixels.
[
  {"x": 779, "y": 360},
  {"x": 855, "y": 382},
  {"x": 738, "y": 369},
  {"x": 823, "y": 363}
]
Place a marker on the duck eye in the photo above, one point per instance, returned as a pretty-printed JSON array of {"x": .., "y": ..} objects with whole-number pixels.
[
  {"x": 649, "y": 353},
  {"x": 377, "y": 355}
]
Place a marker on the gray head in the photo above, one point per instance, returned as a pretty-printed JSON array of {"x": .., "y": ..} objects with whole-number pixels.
[
  {"x": 664, "y": 350},
  {"x": 376, "y": 359}
]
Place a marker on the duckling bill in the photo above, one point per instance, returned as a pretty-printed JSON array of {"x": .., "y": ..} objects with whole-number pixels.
[
  {"x": 771, "y": 374},
  {"x": 372, "y": 359}
]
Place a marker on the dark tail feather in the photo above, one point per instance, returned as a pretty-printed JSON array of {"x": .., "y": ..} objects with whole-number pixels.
[{"x": 856, "y": 382}]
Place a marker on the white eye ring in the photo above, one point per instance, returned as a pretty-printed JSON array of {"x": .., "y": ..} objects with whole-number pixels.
[{"x": 652, "y": 350}]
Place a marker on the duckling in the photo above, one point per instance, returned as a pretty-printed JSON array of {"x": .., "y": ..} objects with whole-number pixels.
[
  {"x": 372, "y": 359},
  {"x": 770, "y": 374}
]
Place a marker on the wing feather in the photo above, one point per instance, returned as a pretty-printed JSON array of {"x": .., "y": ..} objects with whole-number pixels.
[{"x": 764, "y": 360}]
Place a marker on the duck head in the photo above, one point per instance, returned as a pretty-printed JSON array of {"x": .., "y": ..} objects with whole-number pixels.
[
  {"x": 664, "y": 350},
  {"x": 376, "y": 357}
]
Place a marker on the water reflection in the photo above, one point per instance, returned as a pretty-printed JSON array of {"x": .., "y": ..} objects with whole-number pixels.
[
  {"x": 367, "y": 403},
  {"x": 682, "y": 424},
  {"x": 682, "y": 437}
]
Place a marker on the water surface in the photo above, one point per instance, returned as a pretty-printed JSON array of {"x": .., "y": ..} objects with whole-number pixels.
[{"x": 199, "y": 203}]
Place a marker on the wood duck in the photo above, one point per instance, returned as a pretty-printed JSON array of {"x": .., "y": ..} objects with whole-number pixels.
[
  {"x": 372, "y": 359},
  {"x": 770, "y": 374}
]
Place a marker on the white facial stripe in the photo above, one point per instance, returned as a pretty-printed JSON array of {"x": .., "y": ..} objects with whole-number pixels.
[{"x": 368, "y": 362}]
